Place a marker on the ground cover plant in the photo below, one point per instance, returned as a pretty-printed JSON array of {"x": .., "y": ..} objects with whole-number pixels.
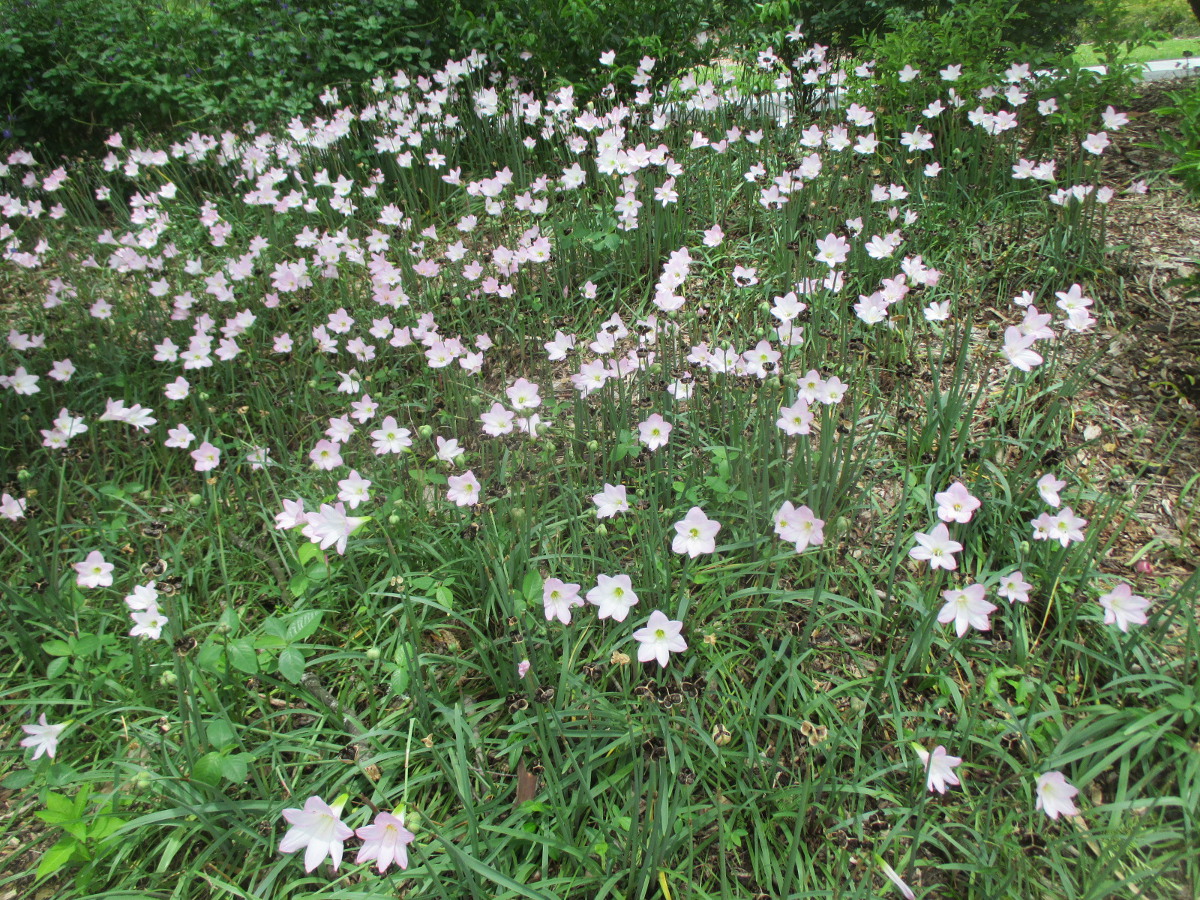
[{"x": 477, "y": 493}]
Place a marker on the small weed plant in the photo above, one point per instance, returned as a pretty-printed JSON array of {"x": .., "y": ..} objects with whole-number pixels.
[{"x": 473, "y": 493}]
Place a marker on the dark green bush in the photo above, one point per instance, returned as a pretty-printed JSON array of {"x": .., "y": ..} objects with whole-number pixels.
[
  {"x": 77, "y": 69},
  {"x": 564, "y": 38}
]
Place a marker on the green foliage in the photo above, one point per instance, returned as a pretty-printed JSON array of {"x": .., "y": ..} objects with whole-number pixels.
[
  {"x": 1185, "y": 110},
  {"x": 1046, "y": 26},
  {"x": 1161, "y": 18},
  {"x": 563, "y": 39},
  {"x": 79, "y": 69}
]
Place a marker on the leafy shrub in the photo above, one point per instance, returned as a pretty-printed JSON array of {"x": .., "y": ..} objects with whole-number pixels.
[
  {"x": 1185, "y": 107},
  {"x": 561, "y": 40},
  {"x": 1164, "y": 18},
  {"x": 80, "y": 68},
  {"x": 1051, "y": 26}
]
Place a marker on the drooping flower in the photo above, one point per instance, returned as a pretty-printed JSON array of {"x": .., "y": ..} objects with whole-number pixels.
[
  {"x": 385, "y": 841},
  {"x": 1123, "y": 608},
  {"x": 43, "y": 737},
  {"x": 319, "y": 830},
  {"x": 939, "y": 767},
  {"x": 659, "y": 639},
  {"x": 1054, "y": 795}
]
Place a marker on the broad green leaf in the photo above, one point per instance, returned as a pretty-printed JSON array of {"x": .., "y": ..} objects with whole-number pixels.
[
  {"x": 208, "y": 769},
  {"x": 242, "y": 657},
  {"x": 220, "y": 734},
  {"x": 291, "y": 665},
  {"x": 56, "y": 857},
  {"x": 57, "y": 648},
  {"x": 303, "y": 625},
  {"x": 308, "y": 552},
  {"x": 235, "y": 767}
]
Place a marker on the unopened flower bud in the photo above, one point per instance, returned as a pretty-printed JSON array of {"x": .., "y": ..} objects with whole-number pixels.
[
  {"x": 194, "y": 500},
  {"x": 393, "y": 519},
  {"x": 593, "y": 446},
  {"x": 425, "y": 431}
]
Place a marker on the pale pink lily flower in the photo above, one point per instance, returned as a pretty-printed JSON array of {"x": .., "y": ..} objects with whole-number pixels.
[
  {"x": 967, "y": 608},
  {"x": 936, "y": 548},
  {"x": 1123, "y": 608},
  {"x": 1054, "y": 795},
  {"x": 939, "y": 767}
]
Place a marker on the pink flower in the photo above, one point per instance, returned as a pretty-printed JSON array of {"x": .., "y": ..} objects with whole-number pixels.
[
  {"x": 939, "y": 767},
  {"x": 795, "y": 419},
  {"x": 1123, "y": 608},
  {"x": 12, "y": 508},
  {"x": 1054, "y": 795},
  {"x": 207, "y": 457},
  {"x": 385, "y": 841},
  {"x": 654, "y": 432},
  {"x": 558, "y": 598},
  {"x": 937, "y": 548},
  {"x": 94, "y": 571},
  {"x": 614, "y": 596},
  {"x": 832, "y": 250},
  {"x": 610, "y": 501},
  {"x": 1014, "y": 587},
  {"x": 956, "y": 504},
  {"x": 799, "y": 525},
  {"x": 331, "y": 527},
  {"x": 1048, "y": 487},
  {"x": 695, "y": 533},
  {"x": 967, "y": 608},
  {"x": 43, "y": 737},
  {"x": 463, "y": 489}
]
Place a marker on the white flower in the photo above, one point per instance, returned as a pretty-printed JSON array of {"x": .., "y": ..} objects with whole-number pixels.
[
  {"x": 331, "y": 527},
  {"x": 463, "y": 489},
  {"x": 43, "y": 737},
  {"x": 939, "y": 767},
  {"x": 1123, "y": 608},
  {"x": 695, "y": 533},
  {"x": 319, "y": 829},
  {"x": 1048, "y": 487},
  {"x": 610, "y": 501},
  {"x": 614, "y": 596},
  {"x": 659, "y": 639},
  {"x": 1054, "y": 795}
]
